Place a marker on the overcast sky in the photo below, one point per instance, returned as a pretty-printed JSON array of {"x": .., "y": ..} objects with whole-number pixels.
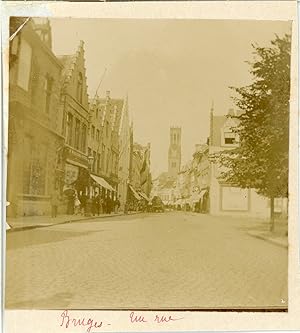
[{"x": 171, "y": 70}]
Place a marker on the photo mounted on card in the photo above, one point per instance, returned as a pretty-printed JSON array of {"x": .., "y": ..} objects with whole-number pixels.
[{"x": 149, "y": 165}]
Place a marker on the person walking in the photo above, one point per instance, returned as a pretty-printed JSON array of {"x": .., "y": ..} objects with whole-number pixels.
[
  {"x": 117, "y": 205},
  {"x": 55, "y": 199},
  {"x": 77, "y": 204},
  {"x": 83, "y": 199}
]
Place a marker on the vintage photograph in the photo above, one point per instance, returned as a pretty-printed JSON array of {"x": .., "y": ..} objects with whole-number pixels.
[{"x": 148, "y": 164}]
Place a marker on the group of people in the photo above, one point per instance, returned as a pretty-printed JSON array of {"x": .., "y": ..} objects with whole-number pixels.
[
  {"x": 98, "y": 204},
  {"x": 80, "y": 203}
]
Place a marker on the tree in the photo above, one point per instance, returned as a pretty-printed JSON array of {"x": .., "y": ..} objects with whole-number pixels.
[{"x": 261, "y": 159}]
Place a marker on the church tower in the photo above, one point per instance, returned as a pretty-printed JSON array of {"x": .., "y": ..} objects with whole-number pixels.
[{"x": 174, "y": 156}]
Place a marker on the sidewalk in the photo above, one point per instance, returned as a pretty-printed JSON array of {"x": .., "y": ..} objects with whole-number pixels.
[
  {"x": 31, "y": 222},
  {"x": 277, "y": 237}
]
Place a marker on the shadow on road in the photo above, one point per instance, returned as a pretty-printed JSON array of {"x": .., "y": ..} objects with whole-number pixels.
[{"x": 42, "y": 236}]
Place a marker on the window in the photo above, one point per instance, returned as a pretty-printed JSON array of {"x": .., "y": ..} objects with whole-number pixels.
[
  {"x": 27, "y": 160},
  {"x": 98, "y": 135},
  {"x": 48, "y": 90},
  {"x": 24, "y": 65},
  {"x": 79, "y": 87},
  {"x": 107, "y": 159},
  {"x": 103, "y": 158},
  {"x": 34, "y": 168},
  {"x": 83, "y": 138},
  {"x": 93, "y": 132},
  {"x": 77, "y": 133},
  {"x": 98, "y": 163},
  {"x": 89, "y": 152},
  {"x": 69, "y": 128},
  {"x": 229, "y": 138},
  {"x": 94, "y": 161},
  {"x": 173, "y": 164}
]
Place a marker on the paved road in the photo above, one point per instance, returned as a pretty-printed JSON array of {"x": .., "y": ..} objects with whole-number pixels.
[{"x": 168, "y": 260}]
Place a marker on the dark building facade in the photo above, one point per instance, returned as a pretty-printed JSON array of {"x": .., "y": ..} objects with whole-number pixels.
[
  {"x": 75, "y": 126},
  {"x": 35, "y": 121}
]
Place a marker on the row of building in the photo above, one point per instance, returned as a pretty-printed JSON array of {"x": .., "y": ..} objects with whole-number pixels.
[
  {"x": 59, "y": 139},
  {"x": 198, "y": 184}
]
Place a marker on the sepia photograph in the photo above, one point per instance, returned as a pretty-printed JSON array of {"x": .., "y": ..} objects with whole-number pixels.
[{"x": 148, "y": 164}]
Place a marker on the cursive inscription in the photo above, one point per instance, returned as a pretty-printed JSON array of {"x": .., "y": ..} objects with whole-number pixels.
[
  {"x": 89, "y": 323},
  {"x": 134, "y": 318}
]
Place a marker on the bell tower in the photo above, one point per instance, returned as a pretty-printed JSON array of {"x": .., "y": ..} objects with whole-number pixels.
[{"x": 174, "y": 156}]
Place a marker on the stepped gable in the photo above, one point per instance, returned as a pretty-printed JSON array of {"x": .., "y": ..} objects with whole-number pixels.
[{"x": 72, "y": 65}]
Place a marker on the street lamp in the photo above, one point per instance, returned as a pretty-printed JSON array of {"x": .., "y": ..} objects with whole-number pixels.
[{"x": 88, "y": 208}]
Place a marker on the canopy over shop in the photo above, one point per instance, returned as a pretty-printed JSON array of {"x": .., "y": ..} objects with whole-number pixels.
[
  {"x": 101, "y": 183},
  {"x": 134, "y": 193}
]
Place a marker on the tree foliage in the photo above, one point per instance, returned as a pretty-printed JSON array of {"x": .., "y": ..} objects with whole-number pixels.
[{"x": 261, "y": 159}]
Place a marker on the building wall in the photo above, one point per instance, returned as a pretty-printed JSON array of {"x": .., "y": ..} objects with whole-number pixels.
[
  {"x": 35, "y": 122},
  {"x": 124, "y": 156},
  {"x": 103, "y": 139},
  {"x": 224, "y": 198},
  {"x": 75, "y": 129}
]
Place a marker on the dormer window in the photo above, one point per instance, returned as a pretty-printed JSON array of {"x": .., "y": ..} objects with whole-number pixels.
[{"x": 229, "y": 138}]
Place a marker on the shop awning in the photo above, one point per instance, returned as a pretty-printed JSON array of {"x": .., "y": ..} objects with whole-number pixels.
[
  {"x": 102, "y": 182},
  {"x": 142, "y": 194},
  {"x": 199, "y": 196},
  {"x": 136, "y": 195}
]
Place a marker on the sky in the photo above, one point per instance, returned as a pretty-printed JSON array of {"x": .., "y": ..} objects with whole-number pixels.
[{"x": 172, "y": 70}]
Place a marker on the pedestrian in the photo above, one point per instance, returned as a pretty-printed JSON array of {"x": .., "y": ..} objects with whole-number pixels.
[
  {"x": 117, "y": 205},
  {"x": 71, "y": 203},
  {"x": 83, "y": 200},
  {"x": 77, "y": 204},
  {"x": 97, "y": 204},
  {"x": 55, "y": 199},
  {"x": 109, "y": 204}
]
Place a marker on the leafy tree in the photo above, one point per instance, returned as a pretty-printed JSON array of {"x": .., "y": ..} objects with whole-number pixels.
[{"x": 261, "y": 159}]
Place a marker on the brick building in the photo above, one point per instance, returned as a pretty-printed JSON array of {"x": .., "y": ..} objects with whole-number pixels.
[
  {"x": 75, "y": 109},
  {"x": 35, "y": 120},
  {"x": 103, "y": 143}
]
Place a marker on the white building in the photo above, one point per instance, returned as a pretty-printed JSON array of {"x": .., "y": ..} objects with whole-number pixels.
[{"x": 227, "y": 199}]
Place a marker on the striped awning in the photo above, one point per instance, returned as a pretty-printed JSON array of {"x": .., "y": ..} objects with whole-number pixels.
[
  {"x": 142, "y": 194},
  {"x": 135, "y": 193},
  {"x": 102, "y": 182},
  {"x": 199, "y": 196}
]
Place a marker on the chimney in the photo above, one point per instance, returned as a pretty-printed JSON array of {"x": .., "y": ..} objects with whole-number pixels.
[{"x": 108, "y": 94}]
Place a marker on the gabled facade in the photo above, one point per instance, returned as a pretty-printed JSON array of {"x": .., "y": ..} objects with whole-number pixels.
[
  {"x": 35, "y": 121},
  {"x": 103, "y": 139},
  {"x": 75, "y": 127}
]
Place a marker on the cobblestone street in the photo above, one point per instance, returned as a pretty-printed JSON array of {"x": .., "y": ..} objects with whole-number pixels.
[{"x": 168, "y": 260}]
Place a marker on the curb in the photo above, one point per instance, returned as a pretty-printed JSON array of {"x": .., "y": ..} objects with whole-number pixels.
[
  {"x": 30, "y": 227},
  {"x": 269, "y": 240}
]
